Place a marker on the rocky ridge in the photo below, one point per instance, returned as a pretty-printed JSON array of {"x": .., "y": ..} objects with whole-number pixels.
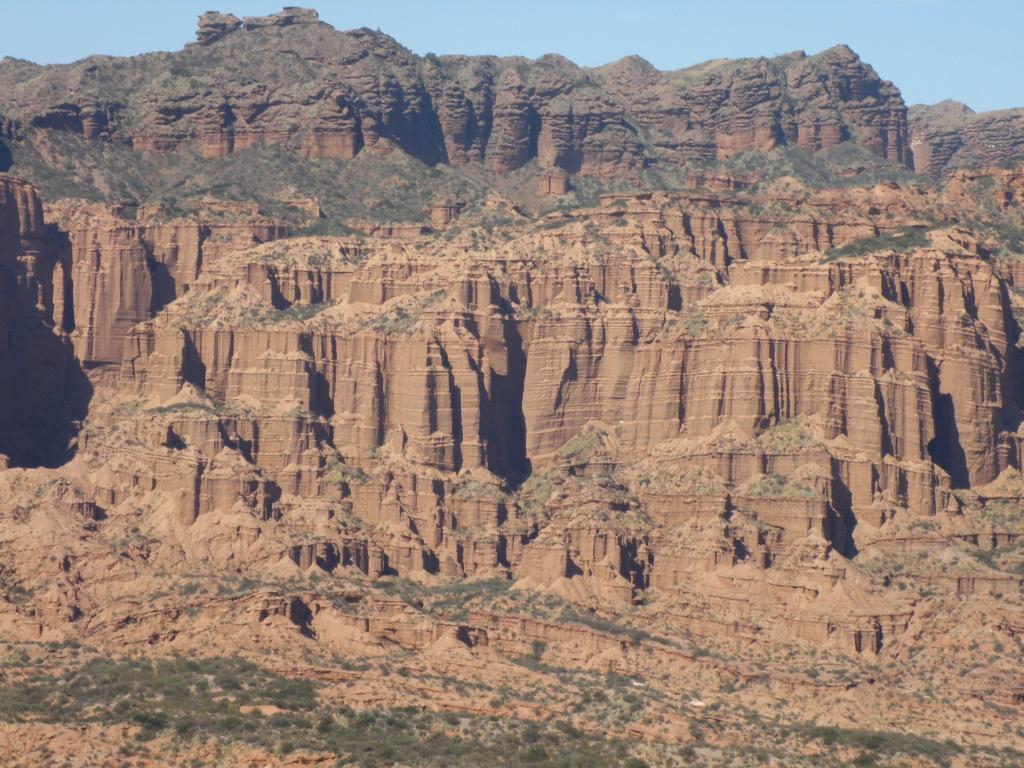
[
  {"x": 293, "y": 80},
  {"x": 949, "y": 136}
]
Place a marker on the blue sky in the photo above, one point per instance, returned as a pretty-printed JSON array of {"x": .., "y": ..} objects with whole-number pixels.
[{"x": 969, "y": 50}]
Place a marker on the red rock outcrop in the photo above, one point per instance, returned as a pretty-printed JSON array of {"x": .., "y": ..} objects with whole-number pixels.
[
  {"x": 371, "y": 93},
  {"x": 213, "y": 26},
  {"x": 120, "y": 272},
  {"x": 662, "y": 437},
  {"x": 698, "y": 330},
  {"x": 948, "y": 136}
]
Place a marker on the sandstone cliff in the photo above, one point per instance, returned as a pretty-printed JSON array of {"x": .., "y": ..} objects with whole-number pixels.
[
  {"x": 416, "y": 389},
  {"x": 360, "y": 90},
  {"x": 121, "y": 271},
  {"x": 949, "y": 136},
  {"x": 740, "y": 406},
  {"x": 640, "y": 461}
]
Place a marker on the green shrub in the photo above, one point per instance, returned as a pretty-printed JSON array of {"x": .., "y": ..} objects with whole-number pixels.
[{"x": 907, "y": 240}]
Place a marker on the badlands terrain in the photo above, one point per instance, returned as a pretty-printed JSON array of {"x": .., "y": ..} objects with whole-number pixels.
[{"x": 361, "y": 408}]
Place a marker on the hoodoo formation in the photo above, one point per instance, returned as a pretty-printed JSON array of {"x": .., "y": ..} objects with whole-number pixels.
[{"x": 364, "y": 408}]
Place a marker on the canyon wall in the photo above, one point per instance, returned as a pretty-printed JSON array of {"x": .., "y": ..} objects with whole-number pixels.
[
  {"x": 648, "y": 394},
  {"x": 649, "y": 401},
  {"x": 728, "y": 396}
]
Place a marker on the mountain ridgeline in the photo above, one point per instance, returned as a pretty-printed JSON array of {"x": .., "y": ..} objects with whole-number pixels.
[{"x": 294, "y": 80}]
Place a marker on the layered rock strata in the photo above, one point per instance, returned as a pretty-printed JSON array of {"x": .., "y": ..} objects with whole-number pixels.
[
  {"x": 232, "y": 91},
  {"x": 949, "y": 136},
  {"x": 692, "y": 393}
]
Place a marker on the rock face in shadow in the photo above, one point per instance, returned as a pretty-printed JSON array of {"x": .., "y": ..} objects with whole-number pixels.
[
  {"x": 5, "y": 152},
  {"x": 291, "y": 79},
  {"x": 42, "y": 387}
]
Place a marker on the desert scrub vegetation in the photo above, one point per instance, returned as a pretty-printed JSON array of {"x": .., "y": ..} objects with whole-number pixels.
[
  {"x": 570, "y": 615},
  {"x": 397, "y": 321},
  {"x": 823, "y": 168},
  {"x": 326, "y": 227},
  {"x": 1011, "y": 239},
  {"x": 877, "y": 744},
  {"x": 198, "y": 408},
  {"x": 177, "y": 694},
  {"x": 666, "y": 271},
  {"x": 687, "y": 269},
  {"x": 906, "y": 240},
  {"x": 774, "y": 486},
  {"x": 451, "y": 601},
  {"x": 472, "y": 489},
  {"x": 370, "y": 187},
  {"x": 1002, "y": 514},
  {"x": 584, "y": 445},
  {"x": 338, "y": 472},
  {"x": 1017, "y": 307},
  {"x": 198, "y": 703},
  {"x": 242, "y": 307},
  {"x": 533, "y": 313},
  {"x": 691, "y": 481},
  {"x": 693, "y": 322},
  {"x": 534, "y": 493},
  {"x": 302, "y": 312},
  {"x": 788, "y": 436},
  {"x": 852, "y": 308},
  {"x": 233, "y": 701},
  {"x": 402, "y": 319},
  {"x": 1008, "y": 559}
]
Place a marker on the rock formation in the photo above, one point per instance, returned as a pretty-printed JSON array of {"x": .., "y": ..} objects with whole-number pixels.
[
  {"x": 949, "y": 136},
  {"x": 741, "y": 443},
  {"x": 368, "y": 92}
]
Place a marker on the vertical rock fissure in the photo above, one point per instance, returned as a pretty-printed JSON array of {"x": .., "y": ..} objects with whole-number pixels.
[
  {"x": 507, "y": 452},
  {"x": 945, "y": 448}
]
